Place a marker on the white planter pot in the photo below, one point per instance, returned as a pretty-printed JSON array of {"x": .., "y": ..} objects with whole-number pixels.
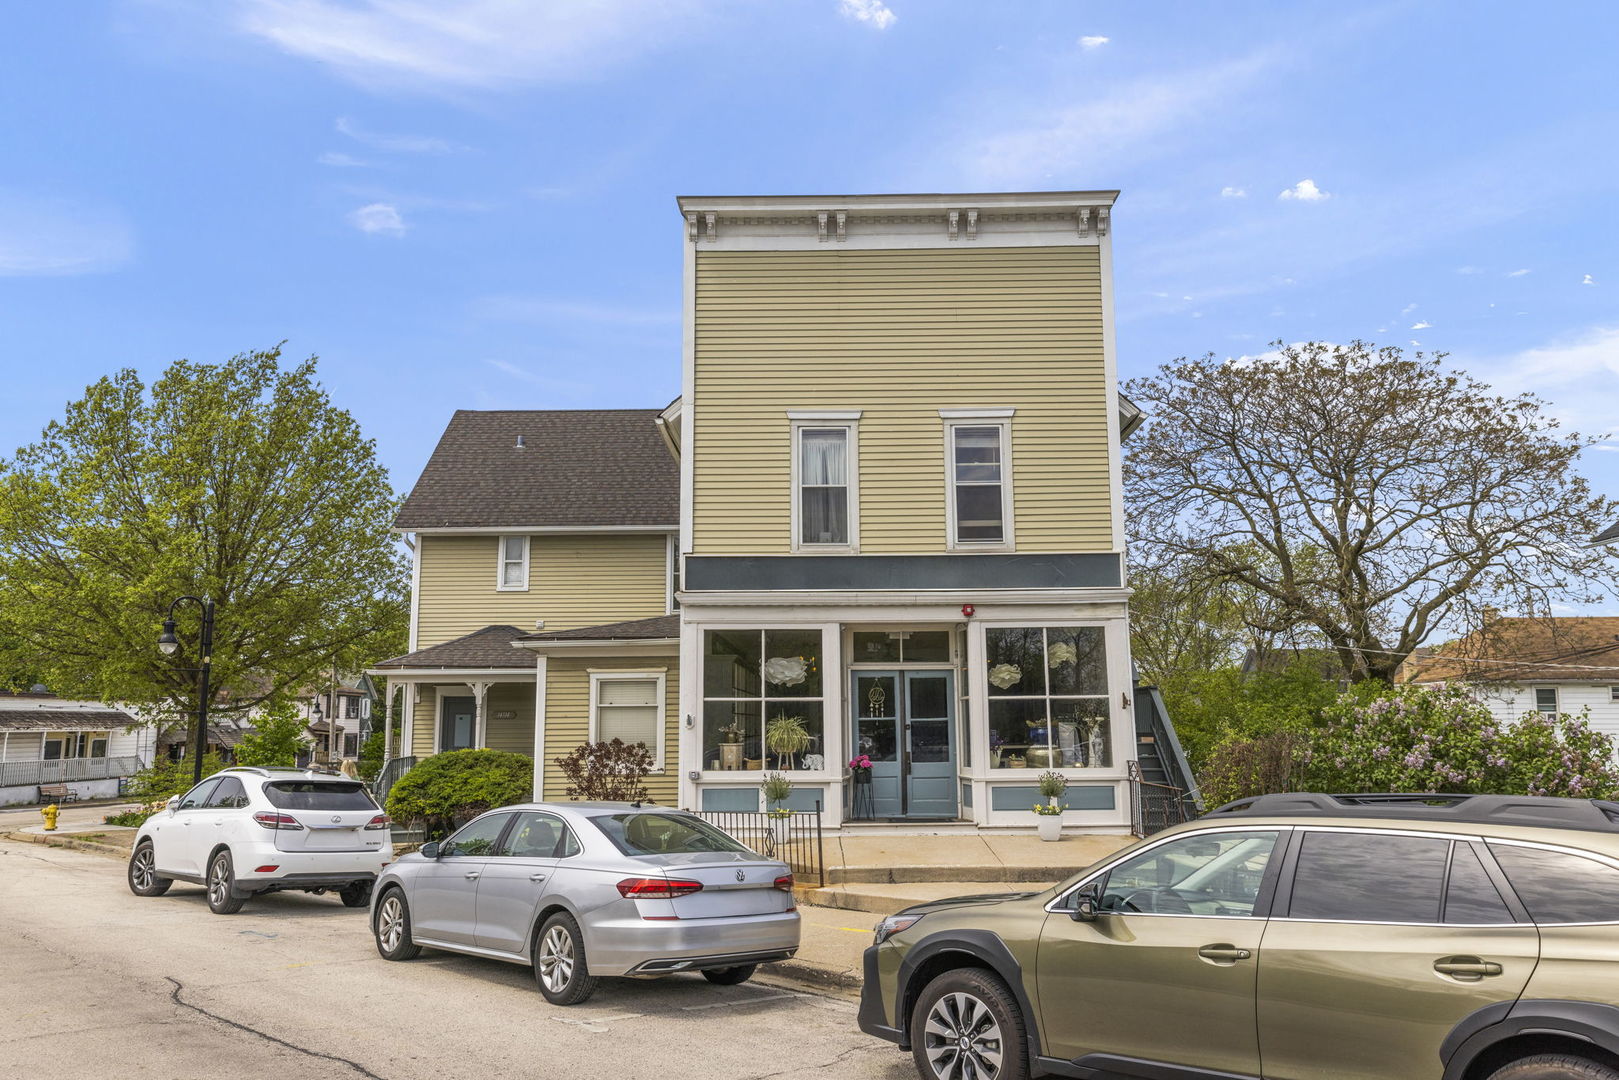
[
  {"x": 1050, "y": 827},
  {"x": 779, "y": 830}
]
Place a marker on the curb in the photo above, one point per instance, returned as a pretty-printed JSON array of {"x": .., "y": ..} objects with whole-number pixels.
[
  {"x": 814, "y": 976},
  {"x": 66, "y": 841}
]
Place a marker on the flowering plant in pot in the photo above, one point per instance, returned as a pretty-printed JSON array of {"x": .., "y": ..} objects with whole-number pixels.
[
  {"x": 1052, "y": 785},
  {"x": 777, "y": 788},
  {"x": 860, "y": 767}
]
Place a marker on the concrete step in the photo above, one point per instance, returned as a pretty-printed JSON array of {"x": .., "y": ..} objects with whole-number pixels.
[
  {"x": 1001, "y": 873},
  {"x": 875, "y": 899}
]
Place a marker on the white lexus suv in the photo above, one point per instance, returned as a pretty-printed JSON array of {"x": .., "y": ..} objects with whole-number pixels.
[{"x": 249, "y": 830}]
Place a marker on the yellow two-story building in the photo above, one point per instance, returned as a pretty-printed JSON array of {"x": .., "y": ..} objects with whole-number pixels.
[{"x": 885, "y": 527}]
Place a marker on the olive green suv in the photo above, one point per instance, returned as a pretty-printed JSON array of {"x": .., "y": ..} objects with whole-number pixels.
[{"x": 1295, "y": 937}]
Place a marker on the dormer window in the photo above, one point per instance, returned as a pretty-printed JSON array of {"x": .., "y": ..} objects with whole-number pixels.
[{"x": 513, "y": 571}]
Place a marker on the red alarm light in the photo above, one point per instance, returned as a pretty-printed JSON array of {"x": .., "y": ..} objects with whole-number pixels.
[{"x": 967, "y": 611}]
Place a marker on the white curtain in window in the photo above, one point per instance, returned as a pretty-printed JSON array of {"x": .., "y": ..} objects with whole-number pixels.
[
  {"x": 823, "y": 476},
  {"x": 511, "y": 564},
  {"x": 825, "y": 458}
]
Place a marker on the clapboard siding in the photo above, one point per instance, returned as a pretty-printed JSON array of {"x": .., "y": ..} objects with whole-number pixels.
[
  {"x": 899, "y": 335},
  {"x": 514, "y": 733},
  {"x": 574, "y": 580},
  {"x": 567, "y": 717}
]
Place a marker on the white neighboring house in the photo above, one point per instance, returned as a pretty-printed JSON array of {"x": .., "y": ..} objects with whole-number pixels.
[
  {"x": 1518, "y": 666},
  {"x": 88, "y": 746}
]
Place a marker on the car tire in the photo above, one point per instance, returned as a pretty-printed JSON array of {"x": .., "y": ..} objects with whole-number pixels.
[
  {"x": 144, "y": 880},
  {"x": 560, "y": 970},
  {"x": 974, "y": 1003},
  {"x": 1554, "y": 1067},
  {"x": 355, "y": 894},
  {"x": 730, "y": 976},
  {"x": 222, "y": 898},
  {"x": 392, "y": 927}
]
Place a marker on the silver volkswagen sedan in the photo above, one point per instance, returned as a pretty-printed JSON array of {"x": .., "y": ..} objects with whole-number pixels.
[{"x": 585, "y": 890}]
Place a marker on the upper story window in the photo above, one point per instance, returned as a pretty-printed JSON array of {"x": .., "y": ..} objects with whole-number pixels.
[
  {"x": 1546, "y": 699},
  {"x": 978, "y": 449},
  {"x": 513, "y": 570},
  {"x": 826, "y": 497}
]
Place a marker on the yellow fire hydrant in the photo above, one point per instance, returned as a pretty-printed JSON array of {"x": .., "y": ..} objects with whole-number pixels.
[{"x": 50, "y": 813}]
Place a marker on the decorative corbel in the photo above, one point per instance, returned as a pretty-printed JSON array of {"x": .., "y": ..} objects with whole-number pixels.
[
  {"x": 972, "y": 224},
  {"x": 1102, "y": 216},
  {"x": 843, "y": 218},
  {"x": 691, "y": 227},
  {"x": 1083, "y": 216},
  {"x": 820, "y": 226},
  {"x": 713, "y": 234},
  {"x": 955, "y": 220}
]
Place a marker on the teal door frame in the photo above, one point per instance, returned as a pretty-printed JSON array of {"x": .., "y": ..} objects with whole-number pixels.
[{"x": 913, "y": 772}]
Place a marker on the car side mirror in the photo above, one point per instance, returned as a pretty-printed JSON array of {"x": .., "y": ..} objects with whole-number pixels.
[
  {"x": 430, "y": 851},
  {"x": 1085, "y": 907},
  {"x": 174, "y": 803}
]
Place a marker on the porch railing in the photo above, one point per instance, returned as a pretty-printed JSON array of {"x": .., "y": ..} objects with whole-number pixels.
[
  {"x": 66, "y": 770},
  {"x": 1155, "y": 807},
  {"x": 389, "y": 776},
  {"x": 795, "y": 840}
]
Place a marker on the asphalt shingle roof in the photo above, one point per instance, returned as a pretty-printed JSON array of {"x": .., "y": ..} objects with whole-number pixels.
[
  {"x": 1576, "y": 648},
  {"x": 662, "y": 626},
  {"x": 1610, "y": 534},
  {"x": 490, "y": 647},
  {"x": 578, "y": 467},
  {"x": 47, "y": 712}
]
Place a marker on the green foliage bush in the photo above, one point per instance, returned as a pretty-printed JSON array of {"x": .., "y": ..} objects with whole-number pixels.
[
  {"x": 278, "y": 734},
  {"x": 167, "y": 778},
  {"x": 1213, "y": 707},
  {"x": 445, "y": 790}
]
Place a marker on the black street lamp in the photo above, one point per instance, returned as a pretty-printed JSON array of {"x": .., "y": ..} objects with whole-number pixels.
[{"x": 168, "y": 645}]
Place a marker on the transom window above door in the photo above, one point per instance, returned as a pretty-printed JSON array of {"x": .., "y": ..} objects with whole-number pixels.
[{"x": 826, "y": 502}]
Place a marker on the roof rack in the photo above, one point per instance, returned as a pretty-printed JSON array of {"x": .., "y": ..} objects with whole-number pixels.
[{"x": 1533, "y": 811}]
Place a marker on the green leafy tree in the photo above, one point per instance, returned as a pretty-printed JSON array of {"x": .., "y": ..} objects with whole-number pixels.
[
  {"x": 1371, "y": 497},
  {"x": 165, "y": 778},
  {"x": 447, "y": 789},
  {"x": 1212, "y": 707},
  {"x": 238, "y": 481},
  {"x": 279, "y": 732}
]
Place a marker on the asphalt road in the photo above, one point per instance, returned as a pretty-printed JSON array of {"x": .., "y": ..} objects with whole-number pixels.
[{"x": 100, "y": 983}]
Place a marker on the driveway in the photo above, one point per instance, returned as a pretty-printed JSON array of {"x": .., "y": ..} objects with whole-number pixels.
[{"x": 103, "y": 983}]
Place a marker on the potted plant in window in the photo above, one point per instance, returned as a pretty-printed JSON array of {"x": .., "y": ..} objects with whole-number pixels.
[
  {"x": 777, "y": 788},
  {"x": 786, "y": 737},
  {"x": 731, "y": 746},
  {"x": 1049, "y": 813}
]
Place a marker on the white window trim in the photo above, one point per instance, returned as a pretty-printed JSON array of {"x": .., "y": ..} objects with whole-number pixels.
[
  {"x": 1613, "y": 693},
  {"x": 995, "y": 418},
  {"x": 500, "y": 562},
  {"x": 1534, "y": 699},
  {"x": 659, "y": 674},
  {"x": 850, "y": 423}
]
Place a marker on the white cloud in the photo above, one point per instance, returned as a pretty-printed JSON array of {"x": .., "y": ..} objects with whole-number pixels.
[
  {"x": 378, "y": 218},
  {"x": 57, "y": 237},
  {"x": 1093, "y": 41},
  {"x": 1517, "y": 273},
  {"x": 1421, "y": 325},
  {"x": 397, "y": 144},
  {"x": 1229, "y": 192},
  {"x": 1578, "y": 375},
  {"x": 1611, "y": 447},
  {"x": 1305, "y": 191},
  {"x": 1588, "y": 280},
  {"x": 342, "y": 161},
  {"x": 1469, "y": 270},
  {"x": 482, "y": 44},
  {"x": 874, "y": 13},
  {"x": 548, "y": 310},
  {"x": 1408, "y": 309}
]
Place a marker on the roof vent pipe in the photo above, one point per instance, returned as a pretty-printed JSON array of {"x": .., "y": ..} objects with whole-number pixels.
[{"x": 519, "y": 442}]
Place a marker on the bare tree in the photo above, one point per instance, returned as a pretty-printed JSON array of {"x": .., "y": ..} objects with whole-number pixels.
[{"x": 1373, "y": 497}]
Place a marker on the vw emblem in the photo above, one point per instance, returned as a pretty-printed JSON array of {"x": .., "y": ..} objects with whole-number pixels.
[
  {"x": 336, "y": 819},
  {"x": 740, "y": 876}
]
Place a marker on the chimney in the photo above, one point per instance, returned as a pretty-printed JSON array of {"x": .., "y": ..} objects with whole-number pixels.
[{"x": 1490, "y": 613}]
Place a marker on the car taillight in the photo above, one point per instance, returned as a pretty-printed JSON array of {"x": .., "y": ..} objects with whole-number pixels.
[
  {"x": 644, "y": 888},
  {"x": 379, "y": 822},
  {"x": 277, "y": 821},
  {"x": 785, "y": 883}
]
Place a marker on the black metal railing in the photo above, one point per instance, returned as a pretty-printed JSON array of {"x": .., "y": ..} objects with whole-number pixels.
[
  {"x": 1155, "y": 807},
  {"x": 794, "y": 839},
  {"x": 389, "y": 776}
]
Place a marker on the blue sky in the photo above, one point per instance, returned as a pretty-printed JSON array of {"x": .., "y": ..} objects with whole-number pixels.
[{"x": 470, "y": 203}]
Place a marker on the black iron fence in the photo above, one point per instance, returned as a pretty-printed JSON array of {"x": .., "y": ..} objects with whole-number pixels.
[
  {"x": 795, "y": 838},
  {"x": 1155, "y": 807}
]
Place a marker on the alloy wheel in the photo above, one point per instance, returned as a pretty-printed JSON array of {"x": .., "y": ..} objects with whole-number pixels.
[
  {"x": 391, "y": 923},
  {"x": 143, "y": 871},
  {"x": 219, "y": 882},
  {"x": 556, "y": 959},
  {"x": 962, "y": 1039}
]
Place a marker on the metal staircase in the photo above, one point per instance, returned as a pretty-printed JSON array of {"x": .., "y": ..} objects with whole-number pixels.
[{"x": 1162, "y": 787}]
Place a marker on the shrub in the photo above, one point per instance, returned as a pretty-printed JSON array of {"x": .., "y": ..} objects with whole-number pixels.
[
  {"x": 165, "y": 778},
  {"x": 777, "y": 789},
  {"x": 1212, "y": 707},
  {"x": 446, "y": 790},
  {"x": 1241, "y": 766},
  {"x": 1053, "y": 785},
  {"x": 277, "y": 736},
  {"x": 130, "y": 818},
  {"x": 607, "y": 772}
]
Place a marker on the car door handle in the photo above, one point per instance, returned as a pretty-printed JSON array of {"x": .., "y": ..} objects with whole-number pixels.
[
  {"x": 1466, "y": 967},
  {"x": 536, "y": 877},
  {"x": 1227, "y": 954},
  {"x": 472, "y": 873}
]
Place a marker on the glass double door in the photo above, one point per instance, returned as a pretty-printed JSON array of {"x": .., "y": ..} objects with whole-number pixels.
[{"x": 904, "y": 721}]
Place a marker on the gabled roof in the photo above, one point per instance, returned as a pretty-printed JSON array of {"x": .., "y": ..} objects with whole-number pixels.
[
  {"x": 490, "y": 647},
  {"x": 1609, "y": 535},
  {"x": 36, "y": 711},
  {"x": 577, "y": 468},
  {"x": 661, "y": 627},
  {"x": 1570, "y": 649}
]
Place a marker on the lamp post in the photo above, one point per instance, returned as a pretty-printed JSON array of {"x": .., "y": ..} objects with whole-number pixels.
[
  {"x": 315, "y": 715},
  {"x": 168, "y": 645}
]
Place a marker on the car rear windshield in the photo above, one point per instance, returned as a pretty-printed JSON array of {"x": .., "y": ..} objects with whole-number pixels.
[
  {"x": 663, "y": 834},
  {"x": 318, "y": 795}
]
